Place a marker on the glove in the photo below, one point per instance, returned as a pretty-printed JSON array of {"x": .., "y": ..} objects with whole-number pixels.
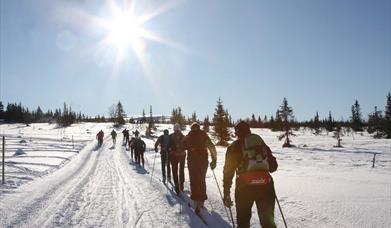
[
  {"x": 213, "y": 164},
  {"x": 156, "y": 150},
  {"x": 227, "y": 200}
]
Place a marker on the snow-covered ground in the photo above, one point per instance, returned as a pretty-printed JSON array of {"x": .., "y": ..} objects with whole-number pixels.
[{"x": 57, "y": 182}]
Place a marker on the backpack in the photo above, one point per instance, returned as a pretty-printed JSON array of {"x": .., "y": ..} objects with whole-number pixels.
[{"x": 257, "y": 161}]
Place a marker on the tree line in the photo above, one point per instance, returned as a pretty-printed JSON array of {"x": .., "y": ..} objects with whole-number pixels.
[{"x": 378, "y": 122}]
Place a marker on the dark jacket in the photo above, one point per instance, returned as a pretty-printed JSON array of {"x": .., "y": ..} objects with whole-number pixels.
[
  {"x": 197, "y": 143},
  {"x": 164, "y": 142}
]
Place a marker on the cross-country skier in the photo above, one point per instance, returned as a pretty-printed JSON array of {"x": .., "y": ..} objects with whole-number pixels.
[
  {"x": 252, "y": 161},
  {"x": 197, "y": 143},
  {"x": 139, "y": 149},
  {"x": 99, "y": 137},
  {"x": 113, "y": 136},
  {"x": 164, "y": 142},
  {"x": 177, "y": 158},
  {"x": 131, "y": 148},
  {"x": 125, "y": 139}
]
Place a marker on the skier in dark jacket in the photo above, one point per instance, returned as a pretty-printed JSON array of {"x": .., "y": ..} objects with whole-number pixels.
[
  {"x": 99, "y": 137},
  {"x": 139, "y": 149},
  {"x": 197, "y": 143},
  {"x": 164, "y": 142},
  {"x": 252, "y": 161},
  {"x": 131, "y": 147},
  {"x": 125, "y": 139},
  {"x": 177, "y": 158},
  {"x": 113, "y": 136}
]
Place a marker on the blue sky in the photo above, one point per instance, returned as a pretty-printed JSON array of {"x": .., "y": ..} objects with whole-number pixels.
[{"x": 321, "y": 55}]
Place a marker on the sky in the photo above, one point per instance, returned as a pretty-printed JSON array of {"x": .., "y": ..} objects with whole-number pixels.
[{"x": 320, "y": 55}]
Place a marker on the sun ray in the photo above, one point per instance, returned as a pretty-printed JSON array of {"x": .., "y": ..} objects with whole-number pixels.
[{"x": 121, "y": 32}]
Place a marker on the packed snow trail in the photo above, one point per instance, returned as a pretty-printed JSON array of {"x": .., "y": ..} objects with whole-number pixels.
[{"x": 97, "y": 188}]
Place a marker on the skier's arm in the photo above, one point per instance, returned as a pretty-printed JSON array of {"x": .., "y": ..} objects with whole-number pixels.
[
  {"x": 157, "y": 143},
  {"x": 212, "y": 149},
  {"x": 230, "y": 165}
]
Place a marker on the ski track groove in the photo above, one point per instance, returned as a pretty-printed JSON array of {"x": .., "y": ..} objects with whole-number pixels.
[{"x": 31, "y": 210}]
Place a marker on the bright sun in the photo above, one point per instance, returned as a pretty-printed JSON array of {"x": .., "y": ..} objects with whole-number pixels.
[{"x": 125, "y": 31}]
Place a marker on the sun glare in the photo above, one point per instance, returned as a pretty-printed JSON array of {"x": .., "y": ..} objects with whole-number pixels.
[{"x": 124, "y": 31}]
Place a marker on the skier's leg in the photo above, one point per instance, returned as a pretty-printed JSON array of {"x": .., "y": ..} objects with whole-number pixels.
[
  {"x": 168, "y": 166},
  {"x": 203, "y": 170},
  {"x": 181, "y": 172},
  {"x": 244, "y": 203},
  {"x": 174, "y": 163},
  {"x": 137, "y": 156},
  {"x": 265, "y": 206},
  {"x": 142, "y": 157},
  {"x": 163, "y": 160}
]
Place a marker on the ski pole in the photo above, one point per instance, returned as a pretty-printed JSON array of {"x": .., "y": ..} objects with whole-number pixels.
[
  {"x": 221, "y": 196},
  {"x": 278, "y": 203},
  {"x": 153, "y": 167}
]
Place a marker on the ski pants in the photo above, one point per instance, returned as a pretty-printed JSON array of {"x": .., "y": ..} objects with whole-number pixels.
[
  {"x": 264, "y": 198},
  {"x": 165, "y": 159},
  {"x": 139, "y": 157},
  {"x": 197, "y": 174},
  {"x": 114, "y": 141},
  {"x": 178, "y": 161}
]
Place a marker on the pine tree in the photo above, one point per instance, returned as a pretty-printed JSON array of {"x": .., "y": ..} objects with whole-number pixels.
[
  {"x": 316, "y": 124},
  {"x": 253, "y": 122},
  {"x": 1, "y": 110},
  {"x": 337, "y": 135},
  {"x": 206, "y": 124},
  {"x": 119, "y": 114},
  {"x": 221, "y": 124},
  {"x": 285, "y": 114},
  {"x": 143, "y": 118},
  {"x": 150, "y": 123},
  {"x": 375, "y": 123},
  {"x": 330, "y": 123},
  {"x": 193, "y": 117},
  {"x": 356, "y": 119},
  {"x": 177, "y": 117},
  {"x": 387, "y": 117}
]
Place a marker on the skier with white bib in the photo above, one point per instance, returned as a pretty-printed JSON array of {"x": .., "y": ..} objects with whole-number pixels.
[{"x": 252, "y": 161}]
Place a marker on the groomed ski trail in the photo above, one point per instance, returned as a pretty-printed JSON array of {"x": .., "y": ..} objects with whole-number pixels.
[{"x": 98, "y": 188}]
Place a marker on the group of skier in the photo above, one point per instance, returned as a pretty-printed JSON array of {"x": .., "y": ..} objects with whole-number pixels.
[{"x": 248, "y": 157}]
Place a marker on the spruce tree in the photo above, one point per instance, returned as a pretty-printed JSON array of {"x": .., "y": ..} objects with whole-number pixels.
[
  {"x": 356, "y": 119},
  {"x": 387, "y": 117},
  {"x": 119, "y": 114},
  {"x": 206, "y": 124},
  {"x": 221, "y": 124},
  {"x": 143, "y": 117},
  {"x": 253, "y": 122},
  {"x": 375, "y": 123},
  {"x": 285, "y": 114},
  {"x": 316, "y": 124},
  {"x": 1, "y": 110},
  {"x": 330, "y": 123},
  {"x": 178, "y": 117},
  {"x": 194, "y": 117},
  {"x": 338, "y": 135}
]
